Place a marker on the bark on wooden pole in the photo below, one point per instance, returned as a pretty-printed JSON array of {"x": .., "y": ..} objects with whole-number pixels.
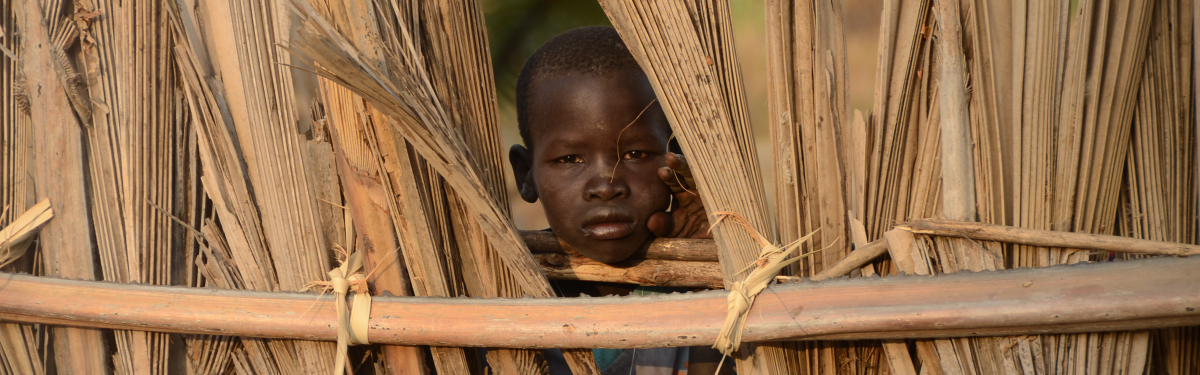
[
  {"x": 652, "y": 272},
  {"x": 686, "y": 249}
]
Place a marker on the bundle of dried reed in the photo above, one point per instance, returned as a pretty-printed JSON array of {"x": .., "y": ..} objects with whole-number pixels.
[
  {"x": 254, "y": 164},
  {"x": 403, "y": 93},
  {"x": 1079, "y": 159},
  {"x": 1067, "y": 83},
  {"x": 138, "y": 152},
  {"x": 381, "y": 188},
  {"x": 18, "y": 343},
  {"x": 443, "y": 189},
  {"x": 818, "y": 154},
  {"x": 686, "y": 49},
  {"x": 458, "y": 60},
  {"x": 1158, "y": 198}
]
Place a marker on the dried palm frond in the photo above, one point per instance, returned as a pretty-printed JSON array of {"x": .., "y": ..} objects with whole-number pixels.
[
  {"x": 285, "y": 252},
  {"x": 138, "y": 150},
  {"x": 16, "y": 188},
  {"x": 58, "y": 173},
  {"x": 1086, "y": 149},
  {"x": 1158, "y": 201},
  {"x": 686, "y": 49},
  {"x": 818, "y": 153},
  {"x": 1059, "y": 166},
  {"x": 403, "y": 93},
  {"x": 375, "y": 181},
  {"x": 460, "y": 70},
  {"x": 19, "y": 352},
  {"x": 400, "y": 84}
]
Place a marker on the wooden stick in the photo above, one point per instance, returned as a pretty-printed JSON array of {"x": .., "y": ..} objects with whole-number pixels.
[
  {"x": 674, "y": 262},
  {"x": 958, "y": 174},
  {"x": 652, "y": 272},
  {"x": 1047, "y": 238},
  {"x": 1146, "y": 293},
  {"x": 670, "y": 262},
  {"x": 855, "y": 260},
  {"x": 685, "y": 249}
]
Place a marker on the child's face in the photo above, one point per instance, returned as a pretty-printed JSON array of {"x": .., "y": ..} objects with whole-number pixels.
[{"x": 574, "y": 122}]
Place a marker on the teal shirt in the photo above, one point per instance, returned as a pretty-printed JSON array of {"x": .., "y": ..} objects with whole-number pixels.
[{"x": 605, "y": 357}]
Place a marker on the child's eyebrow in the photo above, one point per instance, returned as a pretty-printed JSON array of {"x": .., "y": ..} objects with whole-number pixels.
[{"x": 567, "y": 142}]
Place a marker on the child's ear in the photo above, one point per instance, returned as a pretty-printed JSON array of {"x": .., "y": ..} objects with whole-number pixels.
[{"x": 522, "y": 159}]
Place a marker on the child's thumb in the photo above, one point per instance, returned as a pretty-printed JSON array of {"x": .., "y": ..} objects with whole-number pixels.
[{"x": 660, "y": 224}]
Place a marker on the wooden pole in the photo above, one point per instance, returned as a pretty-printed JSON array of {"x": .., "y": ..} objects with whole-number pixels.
[
  {"x": 661, "y": 266},
  {"x": 685, "y": 249},
  {"x": 958, "y": 167},
  {"x": 1139, "y": 294},
  {"x": 1046, "y": 238},
  {"x": 855, "y": 260},
  {"x": 651, "y": 272}
]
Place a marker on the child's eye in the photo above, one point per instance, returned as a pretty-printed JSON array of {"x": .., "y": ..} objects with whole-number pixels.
[
  {"x": 569, "y": 159},
  {"x": 630, "y": 155}
]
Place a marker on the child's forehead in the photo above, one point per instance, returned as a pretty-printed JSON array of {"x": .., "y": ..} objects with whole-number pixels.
[
  {"x": 616, "y": 97},
  {"x": 584, "y": 132},
  {"x": 624, "y": 83}
]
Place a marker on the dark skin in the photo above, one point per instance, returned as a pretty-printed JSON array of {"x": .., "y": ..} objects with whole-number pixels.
[{"x": 603, "y": 208}]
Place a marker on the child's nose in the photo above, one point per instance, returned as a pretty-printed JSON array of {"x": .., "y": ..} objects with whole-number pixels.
[{"x": 604, "y": 187}]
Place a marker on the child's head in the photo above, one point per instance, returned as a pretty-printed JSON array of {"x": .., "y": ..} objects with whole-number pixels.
[{"x": 575, "y": 96}]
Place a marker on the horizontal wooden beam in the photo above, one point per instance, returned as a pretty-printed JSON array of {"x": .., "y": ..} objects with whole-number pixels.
[
  {"x": 650, "y": 272},
  {"x": 686, "y": 249},
  {"x": 1047, "y": 238},
  {"x": 1138, "y": 294}
]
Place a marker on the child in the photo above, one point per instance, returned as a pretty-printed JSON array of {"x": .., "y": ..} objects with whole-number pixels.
[
  {"x": 596, "y": 154},
  {"x": 582, "y": 102}
]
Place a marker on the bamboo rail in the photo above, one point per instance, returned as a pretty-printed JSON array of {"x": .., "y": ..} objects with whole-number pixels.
[{"x": 1139, "y": 294}]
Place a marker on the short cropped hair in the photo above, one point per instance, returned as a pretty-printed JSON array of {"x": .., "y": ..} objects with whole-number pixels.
[{"x": 592, "y": 50}]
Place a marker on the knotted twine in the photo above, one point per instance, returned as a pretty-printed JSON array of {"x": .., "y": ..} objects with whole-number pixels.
[
  {"x": 352, "y": 323},
  {"x": 741, "y": 297}
]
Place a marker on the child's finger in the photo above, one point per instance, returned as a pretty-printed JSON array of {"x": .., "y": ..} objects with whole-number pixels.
[
  {"x": 668, "y": 177},
  {"x": 682, "y": 173}
]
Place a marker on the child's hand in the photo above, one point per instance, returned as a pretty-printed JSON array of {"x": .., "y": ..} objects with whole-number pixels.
[{"x": 687, "y": 218}]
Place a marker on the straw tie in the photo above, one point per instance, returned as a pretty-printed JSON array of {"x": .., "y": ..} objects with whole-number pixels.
[
  {"x": 352, "y": 323},
  {"x": 741, "y": 297}
]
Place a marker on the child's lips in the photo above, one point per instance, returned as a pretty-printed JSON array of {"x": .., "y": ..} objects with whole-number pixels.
[{"x": 608, "y": 230}]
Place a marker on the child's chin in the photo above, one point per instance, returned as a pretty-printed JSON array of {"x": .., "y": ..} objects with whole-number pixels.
[{"x": 610, "y": 251}]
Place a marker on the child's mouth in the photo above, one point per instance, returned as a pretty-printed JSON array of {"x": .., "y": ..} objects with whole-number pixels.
[
  {"x": 608, "y": 224},
  {"x": 608, "y": 230}
]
